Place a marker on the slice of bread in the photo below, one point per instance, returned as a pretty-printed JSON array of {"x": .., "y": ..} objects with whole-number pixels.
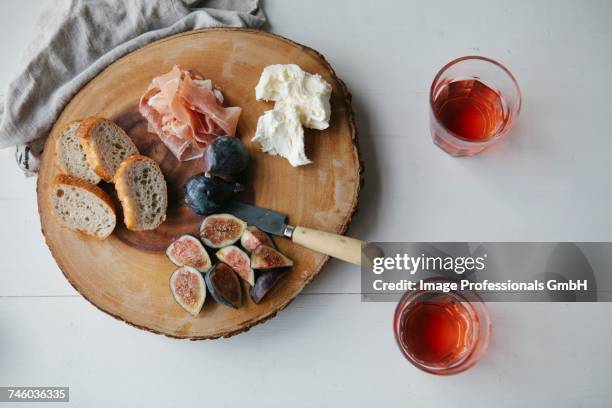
[
  {"x": 83, "y": 206},
  {"x": 142, "y": 189},
  {"x": 106, "y": 146},
  {"x": 71, "y": 157}
]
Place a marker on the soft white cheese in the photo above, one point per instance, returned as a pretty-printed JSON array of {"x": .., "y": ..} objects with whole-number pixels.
[
  {"x": 280, "y": 132},
  {"x": 309, "y": 94},
  {"x": 300, "y": 99}
]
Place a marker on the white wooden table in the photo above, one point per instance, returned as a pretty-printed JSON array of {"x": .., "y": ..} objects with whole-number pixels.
[{"x": 550, "y": 180}]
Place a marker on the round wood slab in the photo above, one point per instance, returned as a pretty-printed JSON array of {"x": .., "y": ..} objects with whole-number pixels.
[{"x": 127, "y": 274}]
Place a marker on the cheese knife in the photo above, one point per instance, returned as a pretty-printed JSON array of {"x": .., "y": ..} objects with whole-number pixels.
[{"x": 337, "y": 246}]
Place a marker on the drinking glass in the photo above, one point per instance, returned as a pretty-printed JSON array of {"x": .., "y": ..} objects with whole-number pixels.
[
  {"x": 442, "y": 332},
  {"x": 474, "y": 102}
]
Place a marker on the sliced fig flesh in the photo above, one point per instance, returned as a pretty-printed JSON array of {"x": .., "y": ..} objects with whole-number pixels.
[
  {"x": 187, "y": 250},
  {"x": 224, "y": 285},
  {"x": 266, "y": 257},
  {"x": 254, "y": 237},
  {"x": 188, "y": 288},
  {"x": 220, "y": 230},
  {"x": 239, "y": 261}
]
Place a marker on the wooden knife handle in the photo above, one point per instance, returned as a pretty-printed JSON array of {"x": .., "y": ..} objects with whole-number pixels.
[{"x": 337, "y": 246}]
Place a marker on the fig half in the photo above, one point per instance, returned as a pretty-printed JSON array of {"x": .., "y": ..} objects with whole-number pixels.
[
  {"x": 224, "y": 285},
  {"x": 266, "y": 281},
  {"x": 220, "y": 230},
  {"x": 266, "y": 257},
  {"x": 187, "y": 250},
  {"x": 254, "y": 237},
  {"x": 239, "y": 261},
  {"x": 188, "y": 288}
]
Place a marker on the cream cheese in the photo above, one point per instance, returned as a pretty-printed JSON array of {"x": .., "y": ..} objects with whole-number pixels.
[
  {"x": 280, "y": 132},
  {"x": 301, "y": 99},
  {"x": 309, "y": 94}
]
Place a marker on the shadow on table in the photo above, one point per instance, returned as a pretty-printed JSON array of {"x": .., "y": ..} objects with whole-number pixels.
[{"x": 366, "y": 215}]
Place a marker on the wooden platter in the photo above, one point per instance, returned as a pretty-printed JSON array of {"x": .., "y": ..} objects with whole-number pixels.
[{"x": 127, "y": 274}]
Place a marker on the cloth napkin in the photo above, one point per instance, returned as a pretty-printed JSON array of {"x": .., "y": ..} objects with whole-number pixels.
[{"x": 77, "y": 39}]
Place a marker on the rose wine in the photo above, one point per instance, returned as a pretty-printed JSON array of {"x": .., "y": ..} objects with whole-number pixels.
[
  {"x": 436, "y": 333},
  {"x": 470, "y": 109},
  {"x": 442, "y": 332}
]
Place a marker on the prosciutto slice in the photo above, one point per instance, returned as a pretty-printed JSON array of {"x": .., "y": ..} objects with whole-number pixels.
[{"x": 187, "y": 112}]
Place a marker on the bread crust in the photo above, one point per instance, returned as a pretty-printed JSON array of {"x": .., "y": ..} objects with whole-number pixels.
[
  {"x": 66, "y": 179},
  {"x": 59, "y": 148},
  {"x": 130, "y": 210},
  {"x": 84, "y": 134}
]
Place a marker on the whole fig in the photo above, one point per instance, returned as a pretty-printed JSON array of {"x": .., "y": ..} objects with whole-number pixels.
[
  {"x": 226, "y": 156},
  {"x": 206, "y": 195}
]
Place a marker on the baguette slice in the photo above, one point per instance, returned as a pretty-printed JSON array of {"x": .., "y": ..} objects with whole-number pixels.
[
  {"x": 71, "y": 157},
  {"x": 106, "y": 146},
  {"x": 83, "y": 206},
  {"x": 143, "y": 193}
]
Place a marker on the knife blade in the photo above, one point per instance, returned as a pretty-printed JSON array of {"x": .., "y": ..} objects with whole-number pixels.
[
  {"x": 266, "y": 220},
  {"x": 339, "y": 246}
]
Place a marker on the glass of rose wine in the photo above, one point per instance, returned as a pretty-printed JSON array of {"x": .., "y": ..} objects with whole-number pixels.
[
  {"x": 442, "y": 332},
  {"x": 473, "y": 103}
]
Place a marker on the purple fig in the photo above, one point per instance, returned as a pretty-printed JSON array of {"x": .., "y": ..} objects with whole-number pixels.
[
  {"x": 208, "y": 195},
  {"x": 225, "y": 156},
  {"x": 266, "y": 281}
]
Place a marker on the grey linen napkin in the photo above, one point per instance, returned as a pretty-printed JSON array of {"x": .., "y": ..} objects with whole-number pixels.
[{"x": 77, "y": 39}]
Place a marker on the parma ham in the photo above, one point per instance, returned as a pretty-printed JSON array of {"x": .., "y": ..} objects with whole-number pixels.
[{"x": 187, "y": 112}]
